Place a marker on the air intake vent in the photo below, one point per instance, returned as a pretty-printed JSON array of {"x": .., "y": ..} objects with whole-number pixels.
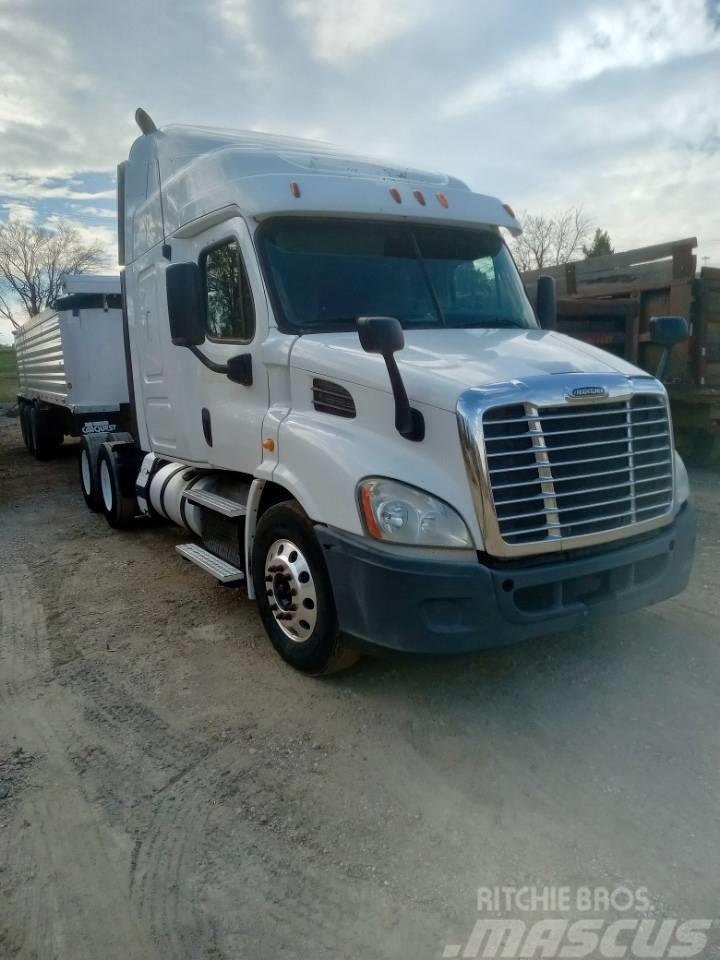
[{"x": 329, "y": 397}]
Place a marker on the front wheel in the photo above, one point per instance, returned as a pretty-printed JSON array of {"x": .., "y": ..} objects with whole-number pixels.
[{"x": 294, "y": 594}]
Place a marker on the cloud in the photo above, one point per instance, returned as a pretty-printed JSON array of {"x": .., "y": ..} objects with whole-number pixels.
[
  {"x": 641, "y": 34},
  {"x": 19, "y": 212},
  {"x": 103, "y": 212},
  {"x": 47, "y": 187},
  {"x": 342, "y": 29}
]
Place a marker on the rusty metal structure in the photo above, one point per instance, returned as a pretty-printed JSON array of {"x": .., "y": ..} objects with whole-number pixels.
[{"x": 608, "y": 301}]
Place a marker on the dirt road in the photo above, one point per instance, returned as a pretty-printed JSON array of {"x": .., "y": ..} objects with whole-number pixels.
[{"x": 169, "y": 789}]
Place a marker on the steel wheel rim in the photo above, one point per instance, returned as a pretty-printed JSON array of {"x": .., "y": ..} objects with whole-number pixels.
[
  {"x": 290, "y": 590},
  {"x": 106, "y": 486},
  {"x": 85, "y": 473}
]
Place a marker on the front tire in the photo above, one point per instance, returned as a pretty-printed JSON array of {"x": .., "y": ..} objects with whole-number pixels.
[
  {"x": 294, "y": 593},
  {"x": 120, "y": 510}
]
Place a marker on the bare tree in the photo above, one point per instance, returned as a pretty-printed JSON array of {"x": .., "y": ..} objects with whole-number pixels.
[
  {"x": 550, "y": 241},
  {"x": 32, "y": 261}
]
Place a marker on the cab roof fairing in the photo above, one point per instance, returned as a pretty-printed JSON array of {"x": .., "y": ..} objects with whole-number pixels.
[{"x": 203, "y": 171}]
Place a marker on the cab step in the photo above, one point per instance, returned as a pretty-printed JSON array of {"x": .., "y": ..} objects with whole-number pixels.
[
  {"x": 214, "y": 502},
  {"x": 223, "y": 571}
]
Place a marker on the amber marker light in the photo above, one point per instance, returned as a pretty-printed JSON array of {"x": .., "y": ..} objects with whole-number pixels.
[{"x": 370, "y": 521}]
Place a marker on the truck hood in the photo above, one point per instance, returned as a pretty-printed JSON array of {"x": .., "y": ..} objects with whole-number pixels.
[{"x": 438, "y": 365}]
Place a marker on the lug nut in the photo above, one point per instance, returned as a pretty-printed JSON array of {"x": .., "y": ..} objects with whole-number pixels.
[
  {"x": 268, "y": 579},
  {"x": 284, "y": 616}
]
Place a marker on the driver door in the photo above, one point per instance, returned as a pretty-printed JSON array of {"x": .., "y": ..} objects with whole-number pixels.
[{"x": 226, "y": 424}]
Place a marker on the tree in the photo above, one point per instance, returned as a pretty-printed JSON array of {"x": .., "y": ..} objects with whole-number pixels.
[
  {"x": 600, "y": 246},
  {"x": 550, "y": 241},
  {"x": 32, "y": 262}
]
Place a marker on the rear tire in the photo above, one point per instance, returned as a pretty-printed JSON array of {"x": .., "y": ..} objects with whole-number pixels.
[
  {"x": 294, "y": 593},
  {"x": 89, "y": 479},
  {"x": 46, "y": 433},
  {"x": 25, "y": 425},
  {"x": 120, "y": 510}
]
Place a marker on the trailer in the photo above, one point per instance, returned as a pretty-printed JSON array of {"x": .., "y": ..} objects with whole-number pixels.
[
  {"x": 608, "y": 301},
  {"x": 340, "y": 390},
  {"x": 71, "y": 366}
]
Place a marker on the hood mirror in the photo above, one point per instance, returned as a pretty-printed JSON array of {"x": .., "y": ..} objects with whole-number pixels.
[
  {"x": 385, "y": 336},
  {"x": 546, "y": 303},
  {"x": 666, "y": 332}
]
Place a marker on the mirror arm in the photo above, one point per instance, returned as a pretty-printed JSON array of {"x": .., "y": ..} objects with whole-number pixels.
[
  {"x": 663, "y": 363},
  {"x": 206, "y": 361},
  {"x": 409, "y": 423}
]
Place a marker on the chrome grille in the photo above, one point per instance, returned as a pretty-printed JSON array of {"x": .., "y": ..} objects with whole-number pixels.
[{"x": 558, "y": 472}]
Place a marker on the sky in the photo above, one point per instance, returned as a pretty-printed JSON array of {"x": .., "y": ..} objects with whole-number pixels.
[{"x": 612, "y": 105}]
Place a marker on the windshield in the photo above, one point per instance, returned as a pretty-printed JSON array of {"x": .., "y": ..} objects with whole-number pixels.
[{"x": 324, "y": 274}]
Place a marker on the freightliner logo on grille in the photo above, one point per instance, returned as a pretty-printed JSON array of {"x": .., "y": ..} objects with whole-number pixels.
[{"x": 586, "y": 393}]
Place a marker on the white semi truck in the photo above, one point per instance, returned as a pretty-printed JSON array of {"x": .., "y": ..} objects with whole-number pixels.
[
  {"x": 71, "y": 365},
  {"x": 340, "y": 389}
]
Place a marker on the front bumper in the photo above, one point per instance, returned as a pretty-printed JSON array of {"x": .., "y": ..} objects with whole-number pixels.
[{"x": 405, "y": 603}]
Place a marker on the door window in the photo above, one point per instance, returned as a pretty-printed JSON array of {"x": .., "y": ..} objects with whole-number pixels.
[{"x": 230, "y": 314}]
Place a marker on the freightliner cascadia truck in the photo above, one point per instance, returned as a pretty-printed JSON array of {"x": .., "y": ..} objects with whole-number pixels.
[{"x": 340, "y": 389}]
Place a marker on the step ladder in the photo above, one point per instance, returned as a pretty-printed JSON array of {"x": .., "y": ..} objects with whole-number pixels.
[
  {"x": 223, "y": 571},
  {"x": 214, "y": 502}
]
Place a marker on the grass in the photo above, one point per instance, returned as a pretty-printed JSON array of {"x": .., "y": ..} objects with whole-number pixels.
[{"x": 8, "y": 374}]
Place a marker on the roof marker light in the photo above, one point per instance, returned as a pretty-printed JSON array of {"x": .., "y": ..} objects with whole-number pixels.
[
  {"x": 442, "y": 200},
  {"x": 395, "y": 194},
  {"x": 508, "y": 209},
  {"x": 295, "y": 188},
  {"x": 419, "y": 197}
]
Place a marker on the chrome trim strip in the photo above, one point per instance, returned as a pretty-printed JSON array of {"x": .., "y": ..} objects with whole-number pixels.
[{"x": 537, "y": 393}]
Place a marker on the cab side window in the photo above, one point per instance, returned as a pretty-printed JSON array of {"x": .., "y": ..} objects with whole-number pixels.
[{"x": 230, "y": 314}]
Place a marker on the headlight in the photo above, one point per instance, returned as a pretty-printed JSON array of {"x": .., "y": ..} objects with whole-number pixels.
[
  {"x": 397, "y": 513},
  {"x": 682, "y": 483}
]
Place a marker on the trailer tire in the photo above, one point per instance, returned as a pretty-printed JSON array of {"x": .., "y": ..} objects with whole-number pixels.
[
  {"x": 25, "y": 425},
  {"x": 318, "y": 648},
  {"x": 89, "y": 478},
  {"x": 120, "y": 509},
  {"x": 46, "y": 433}
]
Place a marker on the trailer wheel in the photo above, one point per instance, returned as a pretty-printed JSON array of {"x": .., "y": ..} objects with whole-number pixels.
[
  {"x": 120, "y": 510},
  {"x": 25, "y": 425},
  {"x": 46, "y": 433},
  {"x": 89, "y": 479},
  {"x": 294, "y": 594}
]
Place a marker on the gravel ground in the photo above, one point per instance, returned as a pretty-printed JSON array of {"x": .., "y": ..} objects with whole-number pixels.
[{"x": 169, "y": 789}]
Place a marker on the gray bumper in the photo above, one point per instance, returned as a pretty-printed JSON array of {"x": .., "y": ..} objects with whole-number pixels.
[{"x": 427, "y": 606}]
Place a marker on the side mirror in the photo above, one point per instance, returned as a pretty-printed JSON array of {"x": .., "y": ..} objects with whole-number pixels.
[
  {"x": 666, "y": 332},
  {"x": 546, "y": 303},
  {"x": 384, "y": 335},
  {"x": 239, "y": 369},
  {"x": 186, "y": 304},
  {"x": 380, "y": 335}
]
